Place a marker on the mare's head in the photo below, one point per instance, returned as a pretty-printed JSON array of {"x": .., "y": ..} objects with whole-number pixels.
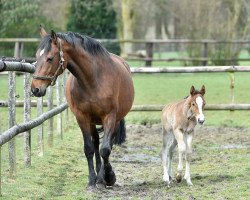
[
  {"x": 196, "y": 104},
  {"x": 50, "y": 63}
]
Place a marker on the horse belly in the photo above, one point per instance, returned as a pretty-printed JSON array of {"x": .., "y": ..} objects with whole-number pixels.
[{"x": 125, "y": 99}]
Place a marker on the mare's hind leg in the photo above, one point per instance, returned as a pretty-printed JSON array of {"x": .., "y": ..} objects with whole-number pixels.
[
  {"x": 88, "y": 148},
  {"x": 106, "y": 176},
  {"x": 181, "y": 149}
]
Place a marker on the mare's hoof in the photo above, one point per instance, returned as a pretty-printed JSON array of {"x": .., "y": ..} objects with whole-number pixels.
[
  {"x": 91, "y": 188},
  {"x": 100, "y": 186},
  {"x": 178, "y": 178},
  {"x": 110, "y": 178}
]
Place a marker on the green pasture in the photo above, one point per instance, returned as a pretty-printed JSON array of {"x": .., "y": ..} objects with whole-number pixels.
[{"x": 62, "y": 172}]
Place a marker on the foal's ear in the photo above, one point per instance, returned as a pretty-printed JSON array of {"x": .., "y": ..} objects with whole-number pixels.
[
  {"x": 203, "y": 91},
  {"x": 53, "y": 37},
  {"x": 43, "y": 33},
  {"x": 192, "y": 90}
]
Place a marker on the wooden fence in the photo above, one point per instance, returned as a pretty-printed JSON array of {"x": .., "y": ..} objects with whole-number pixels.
[
  {"x": 149, "y": 49},
  {"x": 9, "y": 135}
]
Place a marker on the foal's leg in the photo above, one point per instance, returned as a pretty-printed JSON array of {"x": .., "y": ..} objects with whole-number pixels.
[
  {"x": 189, "y": 138},
  {"x": 106, "y": 176},
  {"x": 181, "y": 149},
  {"x": 171, "y": 153},
  {"x": 165, "y": 156},
  {"x": 88, "y": 148}
]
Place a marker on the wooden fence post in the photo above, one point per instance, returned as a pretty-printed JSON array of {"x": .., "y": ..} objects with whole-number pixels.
[
  {"x": 59, "y": 102},
  {"x": 27, "y": 115},
  {"x": 149, "y": 54},
  {"x": 51, "y": 120},
  {"x": 232, "y": 81},
  {"x": 18, "y": 51},
  {"x": 204, "y": 53},
  {"x": 12, "y": 121},
  {"x": 40, "y": 128},
  {"x": 66, "y": 113}
]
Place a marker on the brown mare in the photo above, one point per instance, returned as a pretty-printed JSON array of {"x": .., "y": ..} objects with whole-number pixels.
[
  {"x": 178, "y": 122},
  {"x": 99, "y": 92}
]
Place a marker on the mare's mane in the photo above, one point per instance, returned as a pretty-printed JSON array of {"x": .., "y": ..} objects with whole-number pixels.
[{"x": 89, "y": 44}]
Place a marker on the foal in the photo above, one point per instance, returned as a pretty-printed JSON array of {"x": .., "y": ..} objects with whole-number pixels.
[{"x": 178, "y": 121}]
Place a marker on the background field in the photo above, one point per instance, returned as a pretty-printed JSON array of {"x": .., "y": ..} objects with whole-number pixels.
[{"x": 219, "y": 174}]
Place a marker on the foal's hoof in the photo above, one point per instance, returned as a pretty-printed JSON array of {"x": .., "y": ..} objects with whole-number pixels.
[
  {"x": 178, "y": 178},
  {"x": 189, "y": 183}
]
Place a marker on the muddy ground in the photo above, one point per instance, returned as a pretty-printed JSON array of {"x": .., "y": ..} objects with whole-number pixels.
[{"x": 139, "y": 172}]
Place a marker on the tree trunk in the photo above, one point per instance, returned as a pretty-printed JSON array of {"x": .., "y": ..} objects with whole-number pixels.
[{"x": 128, "y": 21}]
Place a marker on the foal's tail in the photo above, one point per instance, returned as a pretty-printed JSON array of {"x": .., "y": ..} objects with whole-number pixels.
[{"x": 120, "y": 136}]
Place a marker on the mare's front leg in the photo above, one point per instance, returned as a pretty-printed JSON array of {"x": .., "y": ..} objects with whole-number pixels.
[
  {"x": 188, "y": 140},
  {"x": 89, "y": 149},
  {"x": 179, "y": 136},
  {"x": 96, "y": 142},
  {"x": 106, "y": 176}
]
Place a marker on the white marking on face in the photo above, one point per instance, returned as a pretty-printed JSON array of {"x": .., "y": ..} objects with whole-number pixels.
[
  {"x": 41, "y": 52},
  {"x": 199, "y": 102}
]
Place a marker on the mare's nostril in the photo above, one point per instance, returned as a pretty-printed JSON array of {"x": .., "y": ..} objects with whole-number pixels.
[{"x": 35, "y": 90}]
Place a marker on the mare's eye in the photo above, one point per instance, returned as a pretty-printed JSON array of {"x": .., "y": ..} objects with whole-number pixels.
[
  {"x": 193, "y": 104},
  {"x": 50, "y": 59}
]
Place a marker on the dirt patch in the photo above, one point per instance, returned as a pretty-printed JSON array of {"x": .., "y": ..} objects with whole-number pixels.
[{"x": 138, "y": 165}]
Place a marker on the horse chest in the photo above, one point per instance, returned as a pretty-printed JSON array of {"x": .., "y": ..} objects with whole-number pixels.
[{"x": 190, "y": 127}]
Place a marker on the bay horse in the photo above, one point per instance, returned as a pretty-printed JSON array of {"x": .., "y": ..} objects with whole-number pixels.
[
  {"x": 178, "y": 122},
  {"x": 99, "y": 91}
]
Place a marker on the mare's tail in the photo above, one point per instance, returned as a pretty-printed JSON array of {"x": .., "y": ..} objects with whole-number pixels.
[{"x": 120, "y": 136}]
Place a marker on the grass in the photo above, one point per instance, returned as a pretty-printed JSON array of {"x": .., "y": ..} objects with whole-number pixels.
[{"x": 62, "y": 172}]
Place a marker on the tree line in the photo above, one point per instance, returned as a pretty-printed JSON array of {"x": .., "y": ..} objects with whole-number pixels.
[{"x": 133, "y": 19}]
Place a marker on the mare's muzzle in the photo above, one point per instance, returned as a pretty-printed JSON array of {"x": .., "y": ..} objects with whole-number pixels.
[{"x": 38, "y": 92}]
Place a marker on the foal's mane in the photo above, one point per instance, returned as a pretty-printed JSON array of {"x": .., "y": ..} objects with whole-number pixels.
[
  {"x": 195, "y": 93},
  {"x": 89, "y": 44}
]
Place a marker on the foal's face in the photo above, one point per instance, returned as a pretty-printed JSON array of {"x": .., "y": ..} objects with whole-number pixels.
[
  {"x": 46, "y": 66},
  {"x": 197, "y": 104}
]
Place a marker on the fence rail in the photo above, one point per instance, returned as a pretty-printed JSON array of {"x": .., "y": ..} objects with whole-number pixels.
[
  {"x": 230, "y": 107},
  {"x": 15, "y": 130},
  {"x": 149, "y": 44}
]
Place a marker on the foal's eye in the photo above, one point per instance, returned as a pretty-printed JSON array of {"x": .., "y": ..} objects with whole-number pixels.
[
  {"x": 50, "y": 59},
  {"x": 193, "y": 104}
]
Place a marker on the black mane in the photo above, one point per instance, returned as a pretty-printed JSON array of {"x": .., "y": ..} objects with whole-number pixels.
[{"x": 89, "y": 44}]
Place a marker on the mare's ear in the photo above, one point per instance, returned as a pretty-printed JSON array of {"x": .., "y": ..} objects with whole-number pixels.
[
  {"x": 43, "y": 33},
  {"x": 53, "y": 37},
  {"x": 192, "y": 90},
  {"x": 203, "y": 91}
]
